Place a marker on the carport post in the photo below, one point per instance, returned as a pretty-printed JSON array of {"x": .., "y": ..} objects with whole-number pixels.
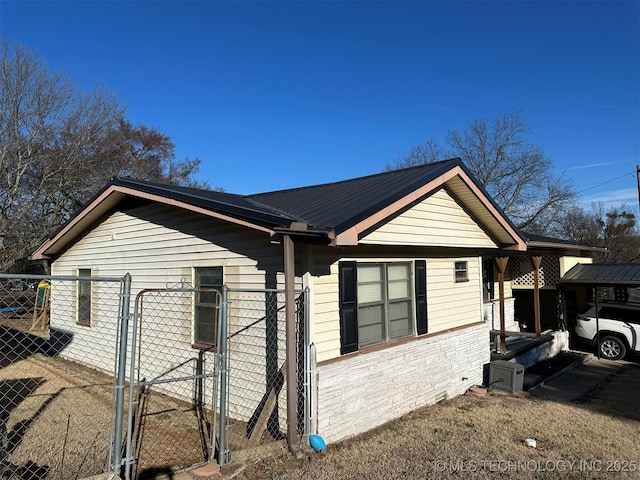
[
  {"x": 502, "y": 267},
  {"x": 595, "y": 298},
  {"x": 537, "y": 261},
  {"x": 121, "y": 376}
]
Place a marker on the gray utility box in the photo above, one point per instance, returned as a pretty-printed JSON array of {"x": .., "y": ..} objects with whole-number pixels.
[{"x": 504, "y": 375}]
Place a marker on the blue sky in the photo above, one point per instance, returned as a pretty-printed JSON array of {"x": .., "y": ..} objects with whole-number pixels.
[{"x": 272, "y": 95}]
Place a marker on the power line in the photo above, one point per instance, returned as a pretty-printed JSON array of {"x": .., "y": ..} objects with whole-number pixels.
[{"x": 608, "y": 181}]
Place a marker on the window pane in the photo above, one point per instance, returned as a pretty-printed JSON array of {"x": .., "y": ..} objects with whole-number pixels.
[
  {"x": 205, "y": 328},
  {"x": 209, "y": 277},
  {"x": 369, "y": 273},
  {"x": 399, "y": 289},
  {"x": 208, "y": 297},
  {"x": 84, "y": 296},
  {"x": 400, "y": 319},
  {"x": 371, "y": 325},
  {"x": 461, "y": 270},
  {"x": 84, "y": 308},
  {"x": 398, "y": 271},
  {"x": 370, "y": 293}
]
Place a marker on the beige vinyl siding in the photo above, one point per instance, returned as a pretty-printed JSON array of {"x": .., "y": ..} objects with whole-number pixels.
[
  {"x": 160, "y": 245},
  {"x": 567, "y": 263},
  {"x": 436, "y": 221},
  {"x": 449, "y": 304},
  {"x": 326, "y": 319}
]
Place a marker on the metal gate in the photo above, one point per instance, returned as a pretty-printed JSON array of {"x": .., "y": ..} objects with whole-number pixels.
[
  {"x": 253, "y": 393},
  {"x": 222, "y": 402},
  {"x": 173, "y": 389}
]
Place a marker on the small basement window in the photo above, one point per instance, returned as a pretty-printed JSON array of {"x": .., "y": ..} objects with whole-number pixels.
[{"x": 461, "y": 272}]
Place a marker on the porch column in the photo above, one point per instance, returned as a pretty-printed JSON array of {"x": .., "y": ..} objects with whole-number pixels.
[
  {"x": 502, "y": 267},
  {"x": 537, "y": 261},
  {"x": 291, "y": 353}
]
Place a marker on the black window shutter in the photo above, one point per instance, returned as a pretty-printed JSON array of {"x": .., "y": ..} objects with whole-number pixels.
[
  {"x": 421, "y": 296},
  {"x": 348, "y": 308}
]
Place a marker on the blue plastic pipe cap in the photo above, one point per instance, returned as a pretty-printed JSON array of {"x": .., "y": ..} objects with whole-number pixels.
[{"x": 317, "y": 443}]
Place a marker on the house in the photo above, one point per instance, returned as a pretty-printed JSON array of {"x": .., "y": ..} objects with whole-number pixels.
[{"x": 396, "y": 265}]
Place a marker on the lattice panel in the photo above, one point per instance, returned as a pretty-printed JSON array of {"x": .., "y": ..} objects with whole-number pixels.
[{"x": 522, "y": 270}]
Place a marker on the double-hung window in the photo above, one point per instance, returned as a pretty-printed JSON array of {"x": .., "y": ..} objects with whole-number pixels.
[
  {"x": 207, "y": 305},
  {"x": 384, "y": 302},
  {"x": 379, "y": 302},
  {"x": 84, "y": 297},
  {"x": 461, "y": 271}
]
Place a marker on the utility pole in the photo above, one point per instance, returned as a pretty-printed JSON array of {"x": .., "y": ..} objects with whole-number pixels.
[{"x": 638, "y": 173}]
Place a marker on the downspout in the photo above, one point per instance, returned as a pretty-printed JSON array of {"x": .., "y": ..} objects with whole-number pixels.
[{"x": 291, "y": 344}]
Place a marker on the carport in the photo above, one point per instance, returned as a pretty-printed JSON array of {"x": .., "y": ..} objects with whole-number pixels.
[{"x": 595, "y": 283}]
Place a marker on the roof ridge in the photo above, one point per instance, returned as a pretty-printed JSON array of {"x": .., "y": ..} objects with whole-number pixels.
[{"x": 350, "y": 180}]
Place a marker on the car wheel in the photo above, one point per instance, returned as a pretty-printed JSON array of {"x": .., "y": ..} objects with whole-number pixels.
[{"x": 612, "y": 348}]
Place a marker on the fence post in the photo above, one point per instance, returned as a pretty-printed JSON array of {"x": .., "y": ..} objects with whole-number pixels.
[
  {"x": 307, "y": 367},
  {"x": 121, "y": 375},
  {"x": 224, "y": 377}
]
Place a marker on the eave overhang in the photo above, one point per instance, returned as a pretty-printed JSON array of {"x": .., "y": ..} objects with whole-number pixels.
[{"x": 115, "y": 193}]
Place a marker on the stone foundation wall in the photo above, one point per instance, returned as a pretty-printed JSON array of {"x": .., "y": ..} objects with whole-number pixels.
[{"x": 363, "y": 391}]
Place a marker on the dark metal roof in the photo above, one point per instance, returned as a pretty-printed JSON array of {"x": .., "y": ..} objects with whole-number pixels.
[
  {"x": 342, "y": 204},
  {"x": 604, "y": 274},
  {"x": 541, "y": 241},
  {"x": 324, "y": 206},
  {"x": 228, "y": 203}
]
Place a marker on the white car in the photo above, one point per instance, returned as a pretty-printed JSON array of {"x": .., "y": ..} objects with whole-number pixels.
[{"x": 619, "y": 326}]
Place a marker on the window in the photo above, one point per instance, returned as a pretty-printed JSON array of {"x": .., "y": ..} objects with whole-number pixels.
[
  {"x": 84, "y": 297},
  {"x": 205, "y": 322},
  {"x": 461, "y": 272},
  {"x": 377, "y": 303}
]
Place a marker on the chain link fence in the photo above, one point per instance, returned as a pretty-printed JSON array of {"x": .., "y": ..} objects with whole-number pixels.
[
  {"x": 58, "y": 344},
  {"x": 84, "y": 392},
  {"x": 254, "y": 402}
]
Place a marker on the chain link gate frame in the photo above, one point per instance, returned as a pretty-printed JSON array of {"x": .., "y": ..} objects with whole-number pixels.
[
  {"x": 253, "y": 403},
  {"x": 170, "y": 377},
  {"x": 246, "y": 394}
]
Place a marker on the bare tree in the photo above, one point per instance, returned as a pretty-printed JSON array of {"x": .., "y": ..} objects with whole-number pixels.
[
  {"x": 428, "y": 152},
  {"x": 615, "y": 229},
  {"x": 59, "y": 146},
  {"x": 518, "y": 175},
  {"x": 41, "y": 117}
]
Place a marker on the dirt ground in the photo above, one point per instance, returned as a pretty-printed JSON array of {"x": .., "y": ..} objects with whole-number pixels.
[
  {"x": 476, "y": 438},
  {"x": 57, "y": 418}
]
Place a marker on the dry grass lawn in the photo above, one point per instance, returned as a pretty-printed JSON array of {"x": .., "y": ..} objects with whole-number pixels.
[{"x": 469, "y": 437}]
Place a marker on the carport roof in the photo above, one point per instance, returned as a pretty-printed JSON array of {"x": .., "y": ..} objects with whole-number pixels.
[{"x": 604, "y": 274}]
